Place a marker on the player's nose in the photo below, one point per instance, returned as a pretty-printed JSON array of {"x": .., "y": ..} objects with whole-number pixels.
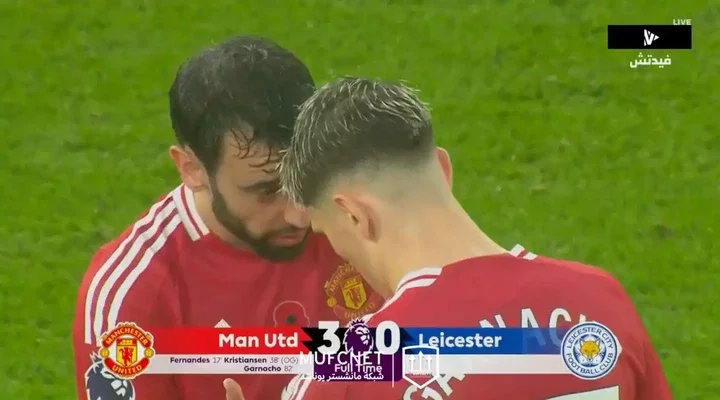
[{"x": 297, "y": 216}]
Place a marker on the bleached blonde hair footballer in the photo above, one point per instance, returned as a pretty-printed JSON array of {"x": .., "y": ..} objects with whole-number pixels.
[{"x": 352, "y": 123}]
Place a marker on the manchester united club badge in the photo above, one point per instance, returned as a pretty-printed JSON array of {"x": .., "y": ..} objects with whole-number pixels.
[
  {"x": 348, "y": 294},
  {"x": 126, "y": 350}
]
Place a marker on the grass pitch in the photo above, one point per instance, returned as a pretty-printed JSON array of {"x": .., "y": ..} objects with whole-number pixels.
[{"x": 557, "y": 143}]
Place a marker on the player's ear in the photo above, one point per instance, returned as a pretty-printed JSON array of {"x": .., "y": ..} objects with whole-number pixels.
[
  {"x": 444, "y": 159},
  {"x": 359, "y": 213},
  {"x": 189, "y": 167}
]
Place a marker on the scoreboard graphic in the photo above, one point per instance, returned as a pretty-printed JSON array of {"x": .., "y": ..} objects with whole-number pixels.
[{"x": 358, "y": 352}]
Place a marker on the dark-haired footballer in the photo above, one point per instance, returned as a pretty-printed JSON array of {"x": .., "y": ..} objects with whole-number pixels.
[{"x": 217, "y": 250}]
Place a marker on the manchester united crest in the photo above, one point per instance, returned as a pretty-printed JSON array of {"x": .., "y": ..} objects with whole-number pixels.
[
  {"x": 349, "y": 295},
  {"x": 126, "y": 350}
]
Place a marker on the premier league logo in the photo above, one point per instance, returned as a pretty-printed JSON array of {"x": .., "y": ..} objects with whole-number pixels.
[
  {"x": 100, "y": 384},
  {"x": 358, "y": 337}
]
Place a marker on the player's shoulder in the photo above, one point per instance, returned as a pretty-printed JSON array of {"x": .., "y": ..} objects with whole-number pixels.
[
  {"x": 155, "y": 238},
  {"x": 532, "y": 263},
  {"x": 517, "y": 271},
  {"x": 564, "y": 277},
  {"x": 574, "y": 271},
  {"x": 138, "y": 266}
]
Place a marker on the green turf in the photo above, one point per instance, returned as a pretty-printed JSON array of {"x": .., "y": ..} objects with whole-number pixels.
[{"x": 557, "y": 143}]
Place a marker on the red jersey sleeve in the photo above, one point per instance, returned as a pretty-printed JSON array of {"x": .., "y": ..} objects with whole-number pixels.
[
  {"x": 651, "y": 381},
  {"x": 655, "y": 385},
  {"x": 117, "y": 289}
]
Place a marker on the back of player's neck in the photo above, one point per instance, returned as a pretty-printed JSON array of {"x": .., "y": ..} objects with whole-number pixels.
[{"x": 434, "y": 239}]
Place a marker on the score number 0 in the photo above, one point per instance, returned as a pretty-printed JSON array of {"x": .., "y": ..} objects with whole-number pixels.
[{"x": 384, "y": 346}]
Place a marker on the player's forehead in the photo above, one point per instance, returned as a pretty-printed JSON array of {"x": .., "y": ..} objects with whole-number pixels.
[{"x": 245, "y": 160}]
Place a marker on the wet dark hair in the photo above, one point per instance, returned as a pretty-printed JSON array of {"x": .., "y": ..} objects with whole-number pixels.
[{"x": 243, "y": 82}]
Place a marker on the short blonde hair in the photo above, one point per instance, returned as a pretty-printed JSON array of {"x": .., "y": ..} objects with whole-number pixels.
[{"x": 352, "y": 123}]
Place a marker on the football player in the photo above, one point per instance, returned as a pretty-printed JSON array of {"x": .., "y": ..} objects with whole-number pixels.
[
  {"x": 363, "y": 163},
  {"x": 217, "y": 250}
]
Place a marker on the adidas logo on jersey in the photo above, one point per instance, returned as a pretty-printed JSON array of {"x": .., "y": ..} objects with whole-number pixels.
[{"x": 222, "y": 324}]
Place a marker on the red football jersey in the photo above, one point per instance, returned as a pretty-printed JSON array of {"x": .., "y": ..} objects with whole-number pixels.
[
  {"x": 513, "y": 290},
  {"x": 168, "y": 270}
]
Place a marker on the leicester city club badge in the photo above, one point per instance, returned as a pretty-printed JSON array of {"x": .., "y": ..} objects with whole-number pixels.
[{"x": 590, "y": 350}]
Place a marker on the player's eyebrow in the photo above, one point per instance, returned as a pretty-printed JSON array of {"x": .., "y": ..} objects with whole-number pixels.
[{"x": 272, "y": 184}]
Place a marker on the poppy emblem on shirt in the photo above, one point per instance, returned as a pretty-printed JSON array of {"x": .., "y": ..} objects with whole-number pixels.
[
  {"x": 290, "y": 313},
  {"x": 348, "y": 295}
]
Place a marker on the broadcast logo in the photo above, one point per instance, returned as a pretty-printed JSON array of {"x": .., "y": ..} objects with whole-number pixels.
[
  {"x": 590, "y": 350},
  {"x": 421, "y": 365},
  {"x": 649, "y": 37}
]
